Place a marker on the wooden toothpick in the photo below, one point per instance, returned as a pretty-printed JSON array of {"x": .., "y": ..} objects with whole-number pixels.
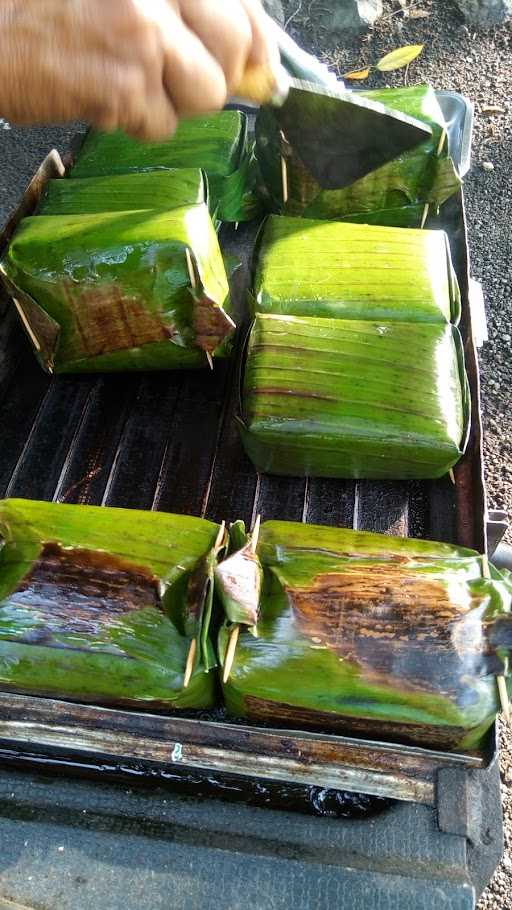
[
  {"x": 255, "y": 534},
  {"x": 230, "y": 653},
  {"x": 191, "y": 269},
  {"x": 451, "y": 475},
  {"x": 209, "y": 359},
  {"x": 190, "y": 662},
  {"x": 220, "y": 536},
  {"x": 444, "y": 136},
  {"x": 504, "y": 699},
  {"x": 426, "y": 210},
  {"x": 284, "y": 178}
]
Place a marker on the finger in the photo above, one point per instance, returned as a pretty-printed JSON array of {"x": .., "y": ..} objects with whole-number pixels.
[
  {"x": 158, "y": 121},
  {"x": 193, "y": 79},
  {"x": 264, "y": 49},
  {"x": 225, "y": 30}
]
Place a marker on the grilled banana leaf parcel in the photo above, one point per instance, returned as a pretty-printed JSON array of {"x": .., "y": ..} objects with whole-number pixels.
[
  {"x": 347, "y": 399},
  {"x": 122, "y": 290},
  {"x": 424, "y": 175},
  {"x": 101, "y": 605},
  {"x": 362, "y": 634},
  {"x": 354, "y": 271},
  {"x": 158, "y": 190},
  {"x": 217, "y": 143}
]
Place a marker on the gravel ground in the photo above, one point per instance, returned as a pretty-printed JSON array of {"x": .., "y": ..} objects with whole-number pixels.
[{"x": 478, "y": 64}]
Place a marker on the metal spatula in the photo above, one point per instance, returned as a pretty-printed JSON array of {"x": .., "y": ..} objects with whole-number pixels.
[{"x": 339, "y": 136}]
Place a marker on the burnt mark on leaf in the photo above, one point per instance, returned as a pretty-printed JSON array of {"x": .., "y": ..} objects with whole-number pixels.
[
  {"x": 211, "y": 324},
  {"x": 400, "y": 628},
  {"x": 81, "y": 592},
  {"x": 293, "y": 717},
  {"x": 106, "y": 319}
]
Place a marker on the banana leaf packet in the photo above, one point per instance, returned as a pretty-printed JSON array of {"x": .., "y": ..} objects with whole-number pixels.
[
  {"x": 424, "y": 176},
  {"x": 354, "y": 399},
  {"x": 382, "y": 637},
  {"x": 217, "y": 143},
  {"x": 154, "y": 190},
  {"x": 137, "y": 290},
  {"x": 101, "y": 605},
  {"x": 306, "y": 267}
]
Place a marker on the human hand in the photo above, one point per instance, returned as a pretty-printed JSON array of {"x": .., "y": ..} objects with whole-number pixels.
[{"x": 136, "y": 65}]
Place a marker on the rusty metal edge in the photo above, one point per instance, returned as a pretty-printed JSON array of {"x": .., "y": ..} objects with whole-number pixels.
[{"x": 380, "y": 769}]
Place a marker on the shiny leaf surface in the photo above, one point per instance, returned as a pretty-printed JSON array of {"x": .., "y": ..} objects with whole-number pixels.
[
  {"x": 348, "y": 399},
  {"x": 119, "y": 287},
  {"x": 100, "y": 604},
  {"x": 352, "y": 271},
  {"x": 157, "y": 190},
  {"x": 362, "y": 634}
]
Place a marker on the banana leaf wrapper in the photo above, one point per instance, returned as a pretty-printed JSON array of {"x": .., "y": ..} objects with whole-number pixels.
[
  {"x": 101, "y": 605},
  {"x": 424, "y": 175},
  {"x": 154, "y": 190},
  {"x": 348, "y": 399},
  {"x": 354, "y": 271},
  {"x": 122, "y": 290},
  {"x": 217, "y": 143},
  {"x": 366, "y": 635}
]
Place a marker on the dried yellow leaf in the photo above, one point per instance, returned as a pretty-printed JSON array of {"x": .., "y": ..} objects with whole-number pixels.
[{"x": 358, "y": 74}]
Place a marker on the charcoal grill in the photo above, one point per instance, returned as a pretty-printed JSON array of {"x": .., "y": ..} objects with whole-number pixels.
[{"x": 170, "y": 442}]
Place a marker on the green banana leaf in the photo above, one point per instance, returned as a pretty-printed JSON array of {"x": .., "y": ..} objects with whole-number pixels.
[
  {"x": 354, "y": 271},
  {"x": 423, "y": 175},
  {"x": 158, "y": 190},
  {"x": 117, "y": 289},
  {"x": 369, "y": 635},
  {"x": 217, "y": 143},
  {"x": 405, "y": 216},
  {"x": 348, "y": 399},
  {"x": 101, "y": 605}
]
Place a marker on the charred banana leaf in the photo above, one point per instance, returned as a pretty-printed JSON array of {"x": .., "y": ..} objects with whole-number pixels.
[
  {"x": 101, "y": 605},
  {"x": 424, "y": 175},
  {"x": 347, "y": 399},
  {"x": 218, "y": 144},
  {"x": 122, "y": 290},
  {"x": 362, "y": 634},
  {"x": 354, "y": 271},
  {"x": 154, "y": 190}
]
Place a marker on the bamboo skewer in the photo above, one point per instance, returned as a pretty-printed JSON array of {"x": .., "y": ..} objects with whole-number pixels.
[
  {"x": 191, "y": 269},
  {"x": 190, "y": 662},
  {"x": 235, "y": 632},
  {"x": 230, "y": 652},
  {"x": 284, "y": 178},
  {"x": 504, "y": 699}
]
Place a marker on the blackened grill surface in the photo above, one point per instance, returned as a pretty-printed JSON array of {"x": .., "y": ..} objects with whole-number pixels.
[{"x": 170, "y": 442}]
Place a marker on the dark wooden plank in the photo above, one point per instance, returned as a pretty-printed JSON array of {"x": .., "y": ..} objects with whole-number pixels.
[
  {"x": 88, "y": 467},
  {"x": 331, "y": 502},
  {"x": 382, "y": 507},
  {"x": 38, "y": 470},
  {"x": 192, "y": 443},
  {"x": 144, "y": 442},
  {"x": 22, "y": 396},
  {"x": 281, "y": 498},
  {"x": 233, "y": 482}
]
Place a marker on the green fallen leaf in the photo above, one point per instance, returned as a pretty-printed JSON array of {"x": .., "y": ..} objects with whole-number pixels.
[{"x": 399, "y": 58}]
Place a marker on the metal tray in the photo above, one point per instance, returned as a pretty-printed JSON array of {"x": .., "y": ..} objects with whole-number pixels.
[{"x": 169, "y": 442}]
